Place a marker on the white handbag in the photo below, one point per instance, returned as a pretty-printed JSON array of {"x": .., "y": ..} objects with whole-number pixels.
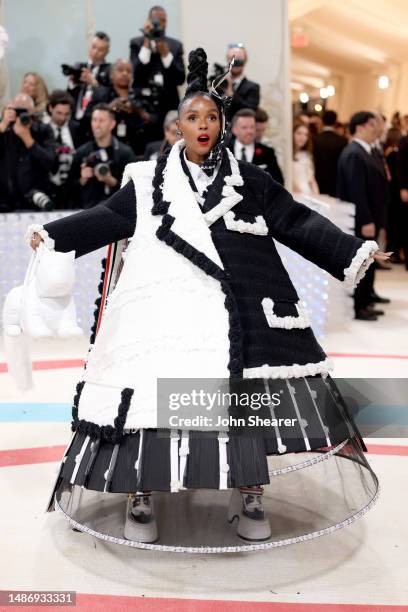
[
  {"x": 54, "y": 273},
  {"x": 42, "y": 307}
]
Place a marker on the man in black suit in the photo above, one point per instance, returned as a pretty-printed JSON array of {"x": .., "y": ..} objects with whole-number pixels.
[
  {"x": 244, "y": 93},
  {"x": 157, "y": 62},
  {"x": 327, "y": 148},
  {"x": 94, "y": 72},
  {"x": 361, "y": 181},
  {"x": 67, "y": 136},
  {"x": 244, "y": 146}
]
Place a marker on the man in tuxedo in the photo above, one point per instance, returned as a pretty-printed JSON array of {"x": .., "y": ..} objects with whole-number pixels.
[
  {"x": 244, "y": 93},
  {"x": 157, "y": 61},
  {"x": 245, "y": 147},
  {"x": 361, "y": 181},
  {"x": 94, "y": 72},
  {"x": 327, "y": 148},
  {"x": 67, "y": 136}
]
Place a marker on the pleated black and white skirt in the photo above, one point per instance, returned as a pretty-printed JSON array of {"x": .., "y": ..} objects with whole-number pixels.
[{"x": 169, "y": 460}]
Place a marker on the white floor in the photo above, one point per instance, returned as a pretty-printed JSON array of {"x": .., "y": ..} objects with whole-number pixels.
[{"x": 366, "y": 563}]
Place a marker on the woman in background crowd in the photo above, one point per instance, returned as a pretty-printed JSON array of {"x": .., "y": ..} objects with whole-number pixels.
[
  {"x": 34, "y": 86},
  {"x": 303, "y": 169}
]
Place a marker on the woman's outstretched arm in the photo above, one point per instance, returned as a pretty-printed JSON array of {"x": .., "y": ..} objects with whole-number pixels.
[
  {"x": 316, "y": 238},
  {"x": 92, "y": 229}
]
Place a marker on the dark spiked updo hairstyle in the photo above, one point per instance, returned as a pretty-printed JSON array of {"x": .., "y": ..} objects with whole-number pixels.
[{"x": 197, "y": 78}]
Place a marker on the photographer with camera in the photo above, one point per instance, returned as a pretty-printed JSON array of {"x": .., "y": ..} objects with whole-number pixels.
[
  {"x": 27, "y": 155},
  {"x": 66, "y": 134},
  {"x": 244, "y": 93},
  {"x": 157, "y": 61},
  {"x": 84, "y": 77},
  {"x": 135, "y": 118},
  {"x": 98, "y": 165}
]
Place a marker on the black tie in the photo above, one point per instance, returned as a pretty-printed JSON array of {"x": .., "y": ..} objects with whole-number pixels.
[
  {"x": 243, "y": 154},
  {"x": 59, "y": 135}
]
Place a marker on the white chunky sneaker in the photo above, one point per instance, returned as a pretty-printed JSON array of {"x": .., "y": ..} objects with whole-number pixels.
[
  {"x": 247, "y": 507},
  {"x": 140, "y": 523}
]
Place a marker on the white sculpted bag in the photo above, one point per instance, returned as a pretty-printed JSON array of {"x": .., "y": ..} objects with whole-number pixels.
[{"x": 42, "y": 307}]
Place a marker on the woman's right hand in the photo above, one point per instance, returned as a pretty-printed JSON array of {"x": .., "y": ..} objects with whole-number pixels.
[{"x": 35, "y": 241}]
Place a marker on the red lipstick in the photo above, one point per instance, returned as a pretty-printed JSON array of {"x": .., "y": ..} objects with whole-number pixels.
[{"x": 203, "y": 139}]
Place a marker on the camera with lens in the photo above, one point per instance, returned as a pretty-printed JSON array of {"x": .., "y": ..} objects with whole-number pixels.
[
  {"x": 73, "y": 71},
  {"x": 23, "y": 115},
  {"x": 217, "y": 71},
  {"x": 99, "y": 161},
  {"x": 156, "y": 32},
  {"x": 40, "y": 200}
]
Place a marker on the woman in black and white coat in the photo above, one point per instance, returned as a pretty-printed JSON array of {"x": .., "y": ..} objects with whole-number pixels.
[{"x": 202, "y": 293}]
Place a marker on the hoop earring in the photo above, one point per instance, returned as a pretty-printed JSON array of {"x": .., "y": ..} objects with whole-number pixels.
[{"x": 179, "y": 133}]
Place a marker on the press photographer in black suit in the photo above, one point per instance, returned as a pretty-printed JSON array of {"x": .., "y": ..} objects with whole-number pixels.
[
  {"x": 244, "y": 93},
  {"x": 84, "y": 77},
  {"x": 244, "y": 146},
  {"x": 27, "y": 154},
  {"x": 135, "y": 118},
  {"x": 67, "y": 136},
  {"x": 98, "y": 165},
  {"x": 157, "y": 62},
  {"x": 360, "y": 180}
]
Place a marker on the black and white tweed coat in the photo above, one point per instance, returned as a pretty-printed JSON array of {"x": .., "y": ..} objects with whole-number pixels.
[{"x": 269, "y": 334}]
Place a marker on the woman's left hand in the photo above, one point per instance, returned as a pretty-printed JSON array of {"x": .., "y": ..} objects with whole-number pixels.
[{"x": 380, "y": 256}]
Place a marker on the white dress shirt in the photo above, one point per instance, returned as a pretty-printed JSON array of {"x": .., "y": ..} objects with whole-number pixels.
[
  {"x": 201, "y": 180},
  {"x": 363, "y": 144},
  {"x": 65, "y": 134},
  {"x": 249, "y": 150},
  {"x": 145, "y": 55}
]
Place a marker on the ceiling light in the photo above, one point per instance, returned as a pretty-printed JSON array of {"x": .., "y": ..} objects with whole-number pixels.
[
  {"x": 383, "y": 82},
  {"x": 318, "y": 107},
  {"x": 331, "y": 90},
  {"x": 324, "y": 93},
  {"x": 304, "y": 97}
]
